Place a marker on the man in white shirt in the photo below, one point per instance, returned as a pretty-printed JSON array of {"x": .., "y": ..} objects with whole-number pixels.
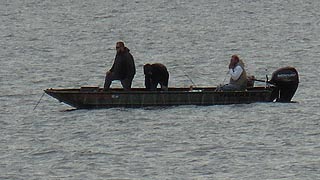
[{"x": 238, "y": 79}]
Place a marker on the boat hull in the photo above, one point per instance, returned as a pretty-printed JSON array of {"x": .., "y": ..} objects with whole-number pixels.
[{"x": 94, "y": 97}]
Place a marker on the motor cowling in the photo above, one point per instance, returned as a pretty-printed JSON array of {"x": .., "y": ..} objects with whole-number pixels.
[{"x": 286, "y": 82}]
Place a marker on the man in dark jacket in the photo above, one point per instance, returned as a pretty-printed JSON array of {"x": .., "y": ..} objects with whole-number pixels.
[
  {"x": 123, "y": 68},
  {"x": 156, "y": 74}
]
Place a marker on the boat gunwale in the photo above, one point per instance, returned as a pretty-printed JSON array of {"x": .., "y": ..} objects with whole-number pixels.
[{"x": 158, "y": 91}]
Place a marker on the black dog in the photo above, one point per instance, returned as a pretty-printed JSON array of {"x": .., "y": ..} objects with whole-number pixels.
[{"x": 156, "y": 74}]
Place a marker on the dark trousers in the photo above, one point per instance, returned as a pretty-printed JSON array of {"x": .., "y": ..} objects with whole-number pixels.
[
  {"x": 126, "y": 82},
  {"x": 153, "y": 86}
]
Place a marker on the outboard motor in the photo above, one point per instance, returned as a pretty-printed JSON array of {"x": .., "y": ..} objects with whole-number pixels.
[{"x": 286, "y": 82}]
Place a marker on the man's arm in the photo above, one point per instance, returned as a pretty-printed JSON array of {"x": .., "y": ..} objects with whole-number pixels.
[{"x": 236, "y": 72}]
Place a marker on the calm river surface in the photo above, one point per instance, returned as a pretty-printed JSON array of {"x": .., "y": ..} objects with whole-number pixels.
[{"x": 68, "y": 44}]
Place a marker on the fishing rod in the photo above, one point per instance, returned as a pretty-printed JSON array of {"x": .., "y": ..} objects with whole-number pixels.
[
  {"x": 189, "y": 77},
  {"x": 186, "y": 74},
  {"x": 225, "y": 77}
]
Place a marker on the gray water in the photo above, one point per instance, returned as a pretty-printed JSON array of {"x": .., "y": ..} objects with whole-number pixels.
[{"x": 68, "y": 44}]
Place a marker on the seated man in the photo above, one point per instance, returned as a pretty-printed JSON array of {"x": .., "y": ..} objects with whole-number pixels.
[
  {"x": 156, "y": 74},
  {"x": 238, "y": 79}
]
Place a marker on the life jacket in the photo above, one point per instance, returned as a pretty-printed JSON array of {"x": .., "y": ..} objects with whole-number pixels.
[{"x": 242, "y": 81}]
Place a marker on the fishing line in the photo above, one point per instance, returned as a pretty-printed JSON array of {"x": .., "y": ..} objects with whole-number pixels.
[
  {"x": 189, "y": 78},
  {"x": 38, "y": 102}
]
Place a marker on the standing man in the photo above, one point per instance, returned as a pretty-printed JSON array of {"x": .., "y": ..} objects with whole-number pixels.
[
  {"x": 123, "y": 68},
  {"x": 238, "y": 79}
]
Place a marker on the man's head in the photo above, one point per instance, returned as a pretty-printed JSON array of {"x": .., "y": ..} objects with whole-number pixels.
[
  {"x": 235, "y": 59},
  {"x": 147, "y": 69},
  {"x": 120, "y": 46}
]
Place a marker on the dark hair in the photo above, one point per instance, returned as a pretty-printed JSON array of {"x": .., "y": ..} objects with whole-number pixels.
[
  {"x": 236, "y": 57},
  {"x": 121, "y": 43},
  {"x": 147, "y": 69}
]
